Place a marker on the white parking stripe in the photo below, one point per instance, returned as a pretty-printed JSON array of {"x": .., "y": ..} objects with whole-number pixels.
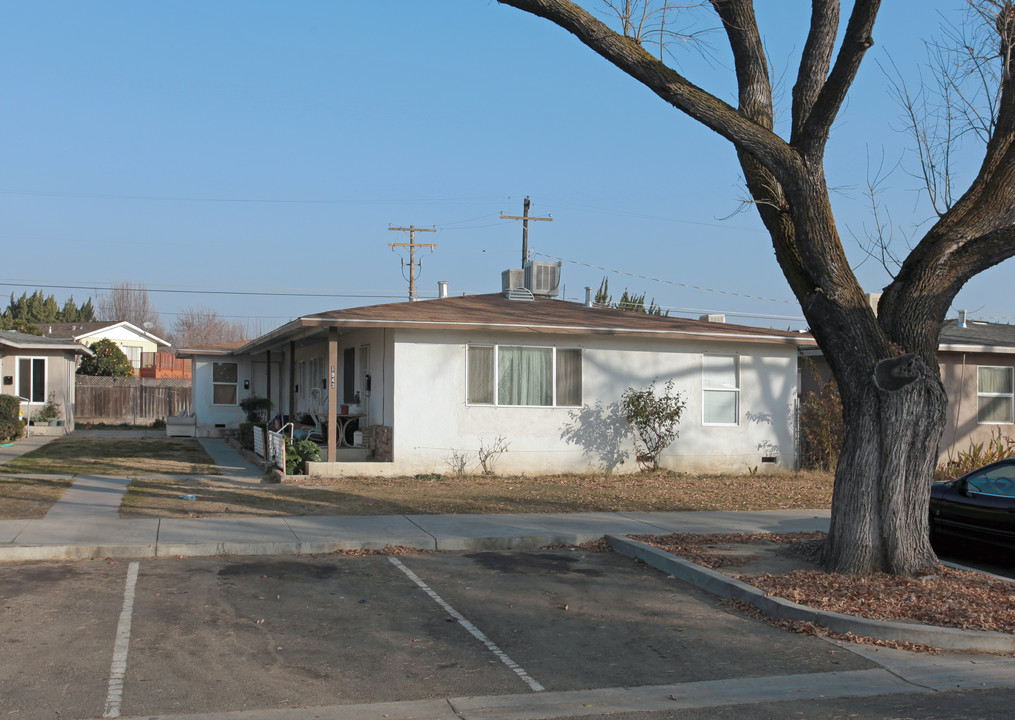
[
  {"x": 476, "y": 632},
  {"x": 115, "y": 694}
]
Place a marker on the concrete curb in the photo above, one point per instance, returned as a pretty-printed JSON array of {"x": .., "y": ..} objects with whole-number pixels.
[{"x": 727, "y": 587}]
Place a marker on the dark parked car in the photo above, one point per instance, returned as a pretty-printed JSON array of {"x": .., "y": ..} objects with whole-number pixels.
[{"x": 979, "y": 506}]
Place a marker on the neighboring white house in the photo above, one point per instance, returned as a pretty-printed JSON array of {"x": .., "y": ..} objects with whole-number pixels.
[
  {"x": 131, "y": 339},
  {"x": 447, "y": 376},
  {"x": 37, "y": 370}
]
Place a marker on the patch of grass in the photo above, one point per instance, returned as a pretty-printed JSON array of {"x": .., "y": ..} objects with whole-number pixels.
[
  {"x": 29, "y": 498},
  {"x": 115, "y": 456},
  {"x": 644, "y": 492}
]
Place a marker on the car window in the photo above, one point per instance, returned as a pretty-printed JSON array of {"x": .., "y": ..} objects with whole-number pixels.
[{"x": 998, "y": 480}]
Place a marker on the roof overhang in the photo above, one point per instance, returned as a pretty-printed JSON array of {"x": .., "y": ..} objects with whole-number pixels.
[
  {"x": 123, "y": 323},
  {"x": 305, "y": 326},
  {"x": 993, "y": 349},
  {"x": 68, "y": 346}
]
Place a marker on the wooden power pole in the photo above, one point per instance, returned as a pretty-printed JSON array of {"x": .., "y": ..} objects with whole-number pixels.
[
  {"x": 412, "y": 245},
  {"x": 524, "y": 217}
]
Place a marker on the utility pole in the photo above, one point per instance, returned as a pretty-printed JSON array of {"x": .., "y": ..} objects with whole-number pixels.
[
  {"x": 525, "y": 227},
  {"x": 412, "y": 245}
]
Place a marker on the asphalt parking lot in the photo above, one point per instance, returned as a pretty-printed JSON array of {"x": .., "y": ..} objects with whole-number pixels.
[{"x": 178, "y": 636}]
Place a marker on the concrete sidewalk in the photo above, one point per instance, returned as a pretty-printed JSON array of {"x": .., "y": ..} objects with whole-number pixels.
[{"x": 86, "y": 530}]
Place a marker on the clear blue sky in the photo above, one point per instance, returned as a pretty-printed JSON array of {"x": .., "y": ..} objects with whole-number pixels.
[{"x": 248, "y": 147}]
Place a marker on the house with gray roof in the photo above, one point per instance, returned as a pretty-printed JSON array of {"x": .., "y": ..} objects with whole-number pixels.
[
  {"x": 430, "y": 382},
  {"x": 977, "y": 361},
  {"x": 38, "y": 369}
]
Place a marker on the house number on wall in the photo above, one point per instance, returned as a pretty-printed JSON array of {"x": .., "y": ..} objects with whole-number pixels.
[{"x": 332, "y": 376}]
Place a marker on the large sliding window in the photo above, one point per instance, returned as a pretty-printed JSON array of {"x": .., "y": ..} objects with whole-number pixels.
[
  {"x": 720, "y": 389},
  {"x": 995, "y": 392},
  {"x": 524, "y": 376},
  {"x": 32, "y": 379}
]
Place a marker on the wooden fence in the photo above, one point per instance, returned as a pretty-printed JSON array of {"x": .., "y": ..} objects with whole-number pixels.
[{"x": 138, "y": 401}]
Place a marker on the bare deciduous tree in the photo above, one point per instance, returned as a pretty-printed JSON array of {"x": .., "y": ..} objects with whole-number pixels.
[
  {"x": 204, "y": 326},
  {"x": 131, "y": 302},
  {"x": 894, "y": 403}
]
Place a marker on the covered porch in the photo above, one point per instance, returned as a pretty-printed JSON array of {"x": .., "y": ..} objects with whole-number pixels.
[{"x": 330, "y": 385}]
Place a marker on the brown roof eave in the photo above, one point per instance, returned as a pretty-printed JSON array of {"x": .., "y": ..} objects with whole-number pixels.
[{"x": 723, "y": 336}]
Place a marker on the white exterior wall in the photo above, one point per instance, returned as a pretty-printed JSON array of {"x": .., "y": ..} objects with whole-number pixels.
[
  {"x": 214, "y": 420},
  {"x": 431, "y": 419}
]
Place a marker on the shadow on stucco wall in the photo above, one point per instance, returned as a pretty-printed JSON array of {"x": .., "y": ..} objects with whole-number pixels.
[{"x": 599, "y": 431}]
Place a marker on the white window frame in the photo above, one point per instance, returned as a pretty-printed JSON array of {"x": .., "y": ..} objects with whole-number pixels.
[
  {"x": 1009, "y": 395},
  {"x": 45, "y": 377},
  {"x": 235, "y": 384},
  {"x": 496, "y": 374},
  {"x": 735, "y": 391}
]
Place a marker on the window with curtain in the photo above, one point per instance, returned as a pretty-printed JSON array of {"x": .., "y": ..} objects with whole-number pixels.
[
  {"x": 720, "y": 388},
  {"x": 223, "y": 379},
  {"x": 524, "y": 376},
  {"x": 995, "y": 393},
  {"x": 32, "y": 379}
]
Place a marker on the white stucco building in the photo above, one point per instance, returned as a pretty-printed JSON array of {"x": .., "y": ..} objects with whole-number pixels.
[{"x": 447, "y": 376}]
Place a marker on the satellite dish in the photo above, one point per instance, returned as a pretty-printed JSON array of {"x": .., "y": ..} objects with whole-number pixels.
[{"x": 148, "y": 325}]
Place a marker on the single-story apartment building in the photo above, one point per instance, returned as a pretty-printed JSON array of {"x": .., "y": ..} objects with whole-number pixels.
[
  {"x": 977, "y": 361},
  {"x": 977, "y": 364},
  {"x": 431, "y": 381},
  {"x": 39, "y": 369}
]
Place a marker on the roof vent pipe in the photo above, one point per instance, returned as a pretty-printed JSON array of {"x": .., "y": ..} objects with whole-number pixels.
[
  {"x": 962, "y": 318},
  {"x": 442, "y": 288},
  {"x": 588, "y": 296}
]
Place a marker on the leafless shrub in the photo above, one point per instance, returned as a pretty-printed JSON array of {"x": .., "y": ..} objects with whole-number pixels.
[
  {"x": 489, "y": 453},
  {"x": 458, "y": 460}
]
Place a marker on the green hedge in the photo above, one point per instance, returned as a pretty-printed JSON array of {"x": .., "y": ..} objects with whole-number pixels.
[{"x": 10, "y": 423}]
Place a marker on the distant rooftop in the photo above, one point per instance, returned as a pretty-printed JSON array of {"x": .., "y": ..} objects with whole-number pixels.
[{"x": 978, "y": 333}]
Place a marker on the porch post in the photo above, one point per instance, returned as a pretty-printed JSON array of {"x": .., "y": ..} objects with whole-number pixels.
[
  {"x": 267, "y": 394},
  {"x": 332, "y": 392},
  {"x": 292, "y": 381}
]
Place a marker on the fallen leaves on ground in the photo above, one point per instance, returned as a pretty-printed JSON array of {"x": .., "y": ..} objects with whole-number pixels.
[{"x": 944, "y": 596}]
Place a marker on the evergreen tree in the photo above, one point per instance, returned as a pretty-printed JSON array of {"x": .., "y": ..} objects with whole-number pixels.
[
  {"x": 628, "y": 301},
  {"x": 27, "y": 312}
]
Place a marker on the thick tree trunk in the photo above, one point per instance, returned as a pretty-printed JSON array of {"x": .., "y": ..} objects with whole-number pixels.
[
  {"x": 894, "y": 404},
  {"x": 882, "y": 484}
]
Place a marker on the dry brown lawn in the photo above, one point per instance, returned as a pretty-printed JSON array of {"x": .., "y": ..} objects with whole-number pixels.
[
  {"x": 29, "y": 498},
  {"x": 661, "y": 491},
  {"x": 88, "y": 455}
]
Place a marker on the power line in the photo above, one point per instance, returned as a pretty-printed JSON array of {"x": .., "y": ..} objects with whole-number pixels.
[
  {"x": 665, "y": 282},
  {"x": 412, "y": 245},
  {"x": 267, "y": 201},
  {"x": 256, "y": 293},
  {"x": 525, "y": 217}
]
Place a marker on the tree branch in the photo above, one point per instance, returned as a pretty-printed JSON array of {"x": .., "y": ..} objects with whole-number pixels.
[
  {"x": 755, "y": 90},
  {"x": 814, "y": 62},
  {"x": 812, "y": 138},
  {"x": 678, "y": 91}
]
